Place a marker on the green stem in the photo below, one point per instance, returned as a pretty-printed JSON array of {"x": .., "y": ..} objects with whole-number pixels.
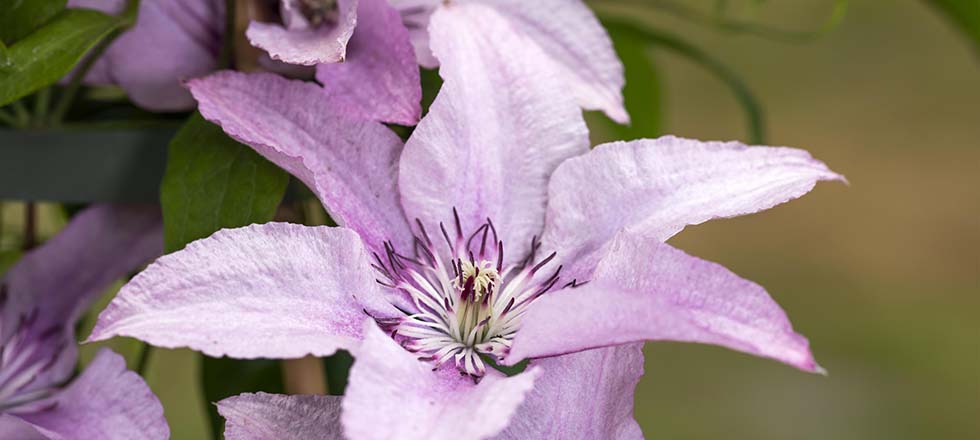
[
  {"x": 75, "y": 82},
  {"x": 144, "y": 360},
  {"x": 682, "y": 11},
  {"x": 30, "y": 223},
  {"x": 21, "y": 115},
  {"x": 753, "y": 110},
  {"x": 41, "y": 100},
  {"x": 227, "y": 58},
  {"x": 7, "y": 118}
]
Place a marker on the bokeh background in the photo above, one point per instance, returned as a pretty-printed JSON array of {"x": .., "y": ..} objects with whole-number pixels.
[{"x": 883, "y": 275}]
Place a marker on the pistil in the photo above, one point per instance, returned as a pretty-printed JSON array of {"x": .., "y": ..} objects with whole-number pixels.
[{"x": 468, "y": 305}]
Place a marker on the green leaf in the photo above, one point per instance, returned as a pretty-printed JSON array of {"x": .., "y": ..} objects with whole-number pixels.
[
  {"x": 224, "y": 377},
  {"x": 965, "y": 14},
  {"x": 49, "y": 53},
  {"x": 508, "y": 370},
  {"x": 337, "y": 369},
  {"x": 18, "y": 18},
  {"x": 213, "y": 182},
  {"x": 643, "y": 91}
]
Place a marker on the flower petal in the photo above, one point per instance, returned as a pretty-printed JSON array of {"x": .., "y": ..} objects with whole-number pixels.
[
  {"x": 325, "y": 43},
  {"x": 656, "y": 187},
  {"x": 566, "y": 31},
  {"x": 52, "y": 285},
  {"x": 647, "y": 290},
  {"x": 276, "y": 290},
  {"x": 556, "y": 409},
  {"x": 106, "y": 402},
  {"x": 263, "y": 416},
  {"x": 173, "y": 40},
  {"x": 415, "y": 14},
  {"x": 391, "y": 394},
  {"x": 495, "y": 133},
  {"x": 379, "y": 81},
  {"x": 569, "y": 34},
  {"x": 350, "y": 165}
]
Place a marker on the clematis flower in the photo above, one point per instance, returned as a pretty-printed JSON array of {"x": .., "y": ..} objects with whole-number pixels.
[
  {"x": 172, "y": 40},
  {"x": 492, "y": 236},
  {"x": 378, "y": 78},
  {"x": 566, "y": 31},
  {"x": 370, "y": 69},
  {"x": 41, "y": 298}
]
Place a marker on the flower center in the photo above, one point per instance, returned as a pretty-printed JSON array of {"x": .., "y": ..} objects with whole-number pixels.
[
  {"x": 484, "y": 277},
  {"x": 317, "y": 12},
  {"x": 468, "y": 304}
]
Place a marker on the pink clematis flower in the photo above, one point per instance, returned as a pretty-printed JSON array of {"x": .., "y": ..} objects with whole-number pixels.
[
  {"x": 378, "y": 78},
  {"x": 566, "y": 31},
  {"x": 41, "y": 298},
  {"x": 173, "y": 40},
  {"x": 492, "y": 236}
]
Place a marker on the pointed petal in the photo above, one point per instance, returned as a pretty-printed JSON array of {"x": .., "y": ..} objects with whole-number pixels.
[
  {"x": 566, "y": 31},
  {"x": 391, "y": 394},
  {"x": 656, "y": 187},
  {"x": 106, "y": 402},
  {"x": 57, "y": 281},
  {"x": 350, "y": 165},
  {"x": 323, "y": 44},
  {"x": 276, "y": 290},
  {"x": 173, "y": 40},
  {"x": 379, "y": 81},
  {"x": 556, "y": 407},
  {"x": 415, "y": 15},
  {"x": 570, "y": 35},
  {"x": 495, "y": 133},
  {"x": 263, "y": 416},
  {"x": 647, "y": 290}
]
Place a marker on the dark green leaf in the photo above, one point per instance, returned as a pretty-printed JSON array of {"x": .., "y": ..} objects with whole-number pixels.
[
  {"x": 643, "y": 92},
  {"x": 224, "y": 377},
  {"x": 18, "y": 18},
  {"x": 49, "y": 53},
  {"x": 213, "y": 182},
  {"x": 431, "y": 83},
  {"x": 509, "y": 370},
  {"x": 965, "y": 14},
  {"x": 337, "y": 368}
]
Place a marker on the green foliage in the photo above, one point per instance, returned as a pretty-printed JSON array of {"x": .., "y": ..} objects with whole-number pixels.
[
  {"x": 224, "y": 377},
  {"x": 50, "y": 52},
  {"x": 213, "y": 182},
  {"x": 20, "y": 18},
  {"x": 965, "y": 14},
  {"x": 337, "y": 369},
  {"x": 508, "y": 370}
]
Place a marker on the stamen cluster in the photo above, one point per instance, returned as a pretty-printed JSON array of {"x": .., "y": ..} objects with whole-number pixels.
[
  {"x": 468, "y": 305},
  {"x": 25, "y": 353}
]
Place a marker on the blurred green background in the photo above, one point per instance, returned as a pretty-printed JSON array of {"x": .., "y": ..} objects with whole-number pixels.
[{"x": 883, "y": 275}]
